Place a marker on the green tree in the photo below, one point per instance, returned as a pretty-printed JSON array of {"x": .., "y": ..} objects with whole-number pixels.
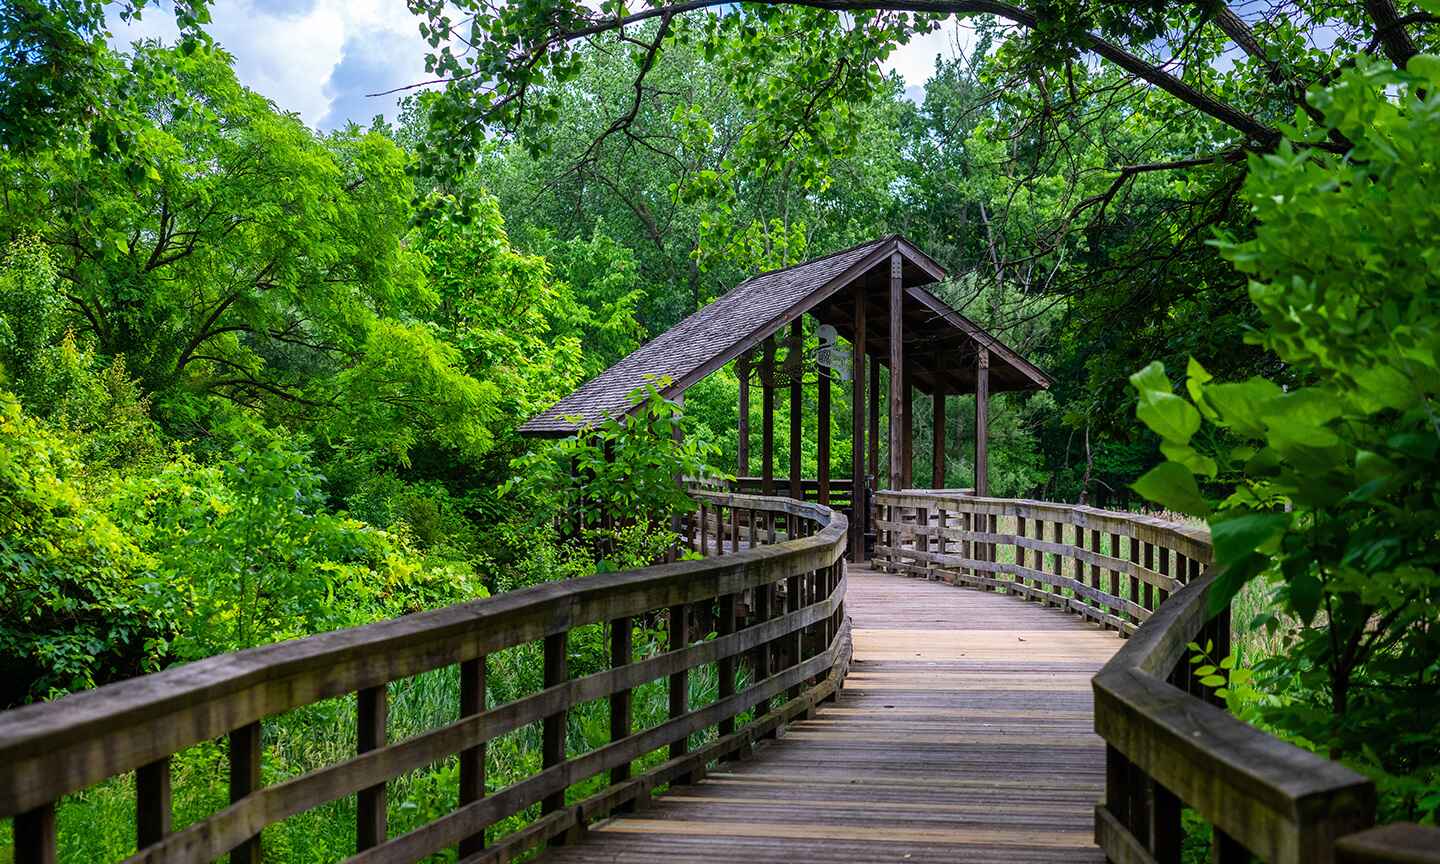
[{"x": 1328, "y": 489}]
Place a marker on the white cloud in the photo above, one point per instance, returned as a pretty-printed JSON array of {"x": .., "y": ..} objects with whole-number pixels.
[
  {"x": 915, "y": 61},
  {"x": 291, "y": 52},
  {"x": 320, "y": 58}
]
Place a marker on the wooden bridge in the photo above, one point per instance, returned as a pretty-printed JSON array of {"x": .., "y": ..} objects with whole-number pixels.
[
  {"x": 966, "y": 697},
  {"x": 969, "y": 699}
]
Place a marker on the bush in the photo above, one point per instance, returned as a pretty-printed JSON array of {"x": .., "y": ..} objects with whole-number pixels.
[
  {"x": 79, "y": 605},
  {"x": 1331, "y": 490}
]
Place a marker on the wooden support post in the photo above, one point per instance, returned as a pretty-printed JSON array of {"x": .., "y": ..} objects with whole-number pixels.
[
  {"x": 1020, "y": 551},
  {"x": 621, "y": 653},
  {"x": 897, "y": 374},
  {"x": 677, "y": 434},
  {"x": 372, "y": 711},
  {"x": 1056, "y": 591},
  {"x": 792, "y": 604},
  {"x": 907, "y": 432},
  {"x": 982, "y": 423},
  {"x": 1095, "y": 568},
  {"x": 1224, "y": 849},
  {"x": 1166, "y": 833},
  {"x": 767, "y": 419},
  {"x": 1117, "y": 774},
  {"x": 857, "y": 425},
  {"x": 552, "y": 728},
  {"x": 152, "y": 802},
  {"x": 725, "y": 667},
  {"x": 34, "y": 836},
  {"x": 1147, "y": 590},
  {"x": 797, "y": 405},
  {"x": 742, "y": 446},
  {"x": 1134, "y": 583},
  {"x": 822, "y": 437},
  {"x": 937, "y": 451},
  {"x": 1115, "y": 575},
  {"x": 472, "y": 759},
  {"x": 873, "y": 439},
  {"x": 244, "y": 779},
  {"x": 679, "y": 681}
]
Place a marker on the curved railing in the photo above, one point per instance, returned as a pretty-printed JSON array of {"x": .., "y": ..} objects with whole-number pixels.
[
  {"x": 791, "y": 632},
  {"x": 1168, "y": 744}
]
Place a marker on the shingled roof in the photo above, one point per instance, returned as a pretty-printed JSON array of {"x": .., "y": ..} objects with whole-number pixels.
[{"x": 745, "y": 316}]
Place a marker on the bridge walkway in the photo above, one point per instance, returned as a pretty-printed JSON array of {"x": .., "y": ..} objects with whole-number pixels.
[{"x": 964, "y": 734}]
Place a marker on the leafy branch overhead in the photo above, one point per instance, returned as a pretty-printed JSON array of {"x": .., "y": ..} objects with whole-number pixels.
[{"x": 502, "y": 63}]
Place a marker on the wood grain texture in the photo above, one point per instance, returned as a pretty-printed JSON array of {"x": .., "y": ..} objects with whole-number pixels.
[{"x": 963, "y": 733}]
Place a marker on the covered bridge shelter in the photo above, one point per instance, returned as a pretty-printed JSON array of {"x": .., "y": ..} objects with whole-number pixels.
[{"x": 874, "y": 296}]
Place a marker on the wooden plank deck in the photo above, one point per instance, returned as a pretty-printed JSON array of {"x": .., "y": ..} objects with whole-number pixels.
[{"x": 964, "y": 733}]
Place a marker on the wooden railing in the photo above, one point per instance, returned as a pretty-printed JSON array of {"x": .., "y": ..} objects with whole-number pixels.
[
  {"x": 793, "y": 637},
  {"x": 1169, "y": 744}
]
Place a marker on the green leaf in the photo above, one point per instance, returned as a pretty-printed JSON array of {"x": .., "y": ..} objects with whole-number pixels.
[
  {"x": 1240, "y": 405},
  {"x": 1188, "y": 456},
  {"x": 1171, "y": 485},
  {"x": 1237, "y": 536},
  {"x": 1169, "y": 416},
  {"x": 1151, "y": 379},
  {"x": 1305, "y": 592}
]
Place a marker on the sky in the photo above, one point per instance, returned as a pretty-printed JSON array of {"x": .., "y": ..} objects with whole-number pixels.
[{"x": 319, "y": 58}]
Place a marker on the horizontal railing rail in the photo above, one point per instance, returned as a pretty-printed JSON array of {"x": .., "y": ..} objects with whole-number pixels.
[
  {"x": 792, "y": 635},
  {"x": 1169, "y": 743}
]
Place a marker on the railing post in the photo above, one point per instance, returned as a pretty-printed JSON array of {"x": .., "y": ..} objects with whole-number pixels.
[
  {"x": 1020, "y": 556},
  {"x": 552, "y": 728},
  {"x": 680, "y": 684},
  {"x": 792, "y": 640},
  {"x": 725, "y": 668},
  {"x": 1166, "y": 835},
  {"x": 1224, "y": 849},
  {"x": 942, "y": 519},
  {"x": 34, "y": 836},
  {"x": 1134, "y": 581},
  {"x": 1059, "y": 534},
  {"x": 372, "y": 712},
  {"x": 152, "y": 802},
  {"x": 472, "y": 759},
  {"x": 1095, "y": 570},
  {"x": 1164, "y": 571},
  {"x": 922, "y": 541},
  {"x": 1115, "y": 576},
  {"x": 1147, "y": 589},
  {"x": 760, "y": 661},
  {"x": 244, "y": 779},
  {"x": 622, "y": 651}
]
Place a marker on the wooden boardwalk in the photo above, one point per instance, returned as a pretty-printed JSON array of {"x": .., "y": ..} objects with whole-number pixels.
[{"x": 964, "y": 733}]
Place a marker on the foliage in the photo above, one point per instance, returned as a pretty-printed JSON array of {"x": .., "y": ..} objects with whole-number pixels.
[
  {"x": 617, "y": 482},
  {"x": 80, "y": 606},
  {"x": 1329, "y": 488}
]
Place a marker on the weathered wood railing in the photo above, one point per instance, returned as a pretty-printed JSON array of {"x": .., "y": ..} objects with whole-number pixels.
[
  {"x": 795, "y": 642},
  {"x": 1168, "y": 743}
]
